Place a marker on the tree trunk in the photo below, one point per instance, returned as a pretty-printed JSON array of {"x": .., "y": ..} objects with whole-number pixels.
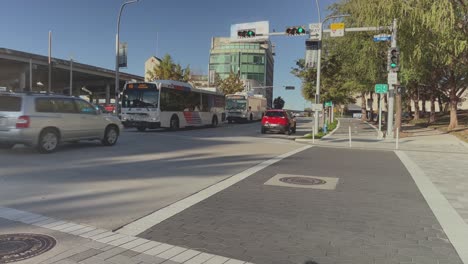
[
  {"x": 371, "y": 119},
  {"x": 410, "y": 111},
  {"x": 453, "y": 107},
  {"x": 363, "y": 106},
  {"x": 416, "y": 109},
  {"x": 424, "y": 112},
  {"x": 432, "y": 117}
]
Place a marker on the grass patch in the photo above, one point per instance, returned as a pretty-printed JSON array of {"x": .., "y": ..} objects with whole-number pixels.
[
  {"x": 321, "y": 134},
  {"x": 442, "y": 122}
]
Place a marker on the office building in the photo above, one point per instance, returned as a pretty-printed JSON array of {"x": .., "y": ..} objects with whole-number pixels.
[{"x": 250, "y": 60}]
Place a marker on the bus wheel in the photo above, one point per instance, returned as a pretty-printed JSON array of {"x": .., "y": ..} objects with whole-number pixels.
[
  {"x": 141, "y": 128},
  {"x": 214, "y": 121},
  {"x": 174, "y": 123},
  {"x": 230, "y": 121}
]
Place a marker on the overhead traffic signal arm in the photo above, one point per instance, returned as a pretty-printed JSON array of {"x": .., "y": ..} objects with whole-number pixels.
[
  {"x": 246, "y": 33},
  {"x": 296, "y": 31}
]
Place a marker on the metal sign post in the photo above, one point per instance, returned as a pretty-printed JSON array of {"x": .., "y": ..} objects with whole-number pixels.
[{"x": 380, "y": 89}]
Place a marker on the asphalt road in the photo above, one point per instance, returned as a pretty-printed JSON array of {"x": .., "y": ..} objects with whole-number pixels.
[{"x": 109, "y": 187}]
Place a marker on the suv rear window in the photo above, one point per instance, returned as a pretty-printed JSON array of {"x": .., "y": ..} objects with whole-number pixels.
[
  {"x": 10, "y": 103},
  {"x": 275, "y": 114},
  {"x": 45, "y": 105}
]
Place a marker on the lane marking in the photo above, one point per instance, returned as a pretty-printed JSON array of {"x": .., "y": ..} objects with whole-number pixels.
[
  {"x": 139, "y": 226},
  {"x": 453, "y": 225}
]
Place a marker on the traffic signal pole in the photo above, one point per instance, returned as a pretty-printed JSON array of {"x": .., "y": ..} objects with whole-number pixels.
[{"x": 391, "y": 88}]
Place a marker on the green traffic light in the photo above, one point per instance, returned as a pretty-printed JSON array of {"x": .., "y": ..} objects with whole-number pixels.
[
  {"x": 300, "y": 30},
  {"x": 393, "y": 65}
]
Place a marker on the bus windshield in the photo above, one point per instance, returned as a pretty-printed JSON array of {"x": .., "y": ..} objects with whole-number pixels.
[
  {"x": 140, "y": 98},
  {"x": 236, "y": 104}
]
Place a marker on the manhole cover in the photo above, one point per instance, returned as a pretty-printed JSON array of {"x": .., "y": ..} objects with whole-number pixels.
[
  {"x": 16, "y": 247},
  {"x": 302, "y": 180}
]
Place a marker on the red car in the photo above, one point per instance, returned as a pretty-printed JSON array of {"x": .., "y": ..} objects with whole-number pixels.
[
  {"x": 278, "y": 120},
  {"x": 109, "y": 107}
]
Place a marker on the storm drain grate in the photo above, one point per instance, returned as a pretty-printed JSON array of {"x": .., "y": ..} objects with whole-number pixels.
[
  {"x": 303, "y": 181},
  {"x": 17, "y": 247}
]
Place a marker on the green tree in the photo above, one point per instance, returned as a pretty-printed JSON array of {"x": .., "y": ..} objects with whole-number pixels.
[
  {"x": 278, "y": 103},
  {"x": 432, "y": 36},
  {"x": 168, "y": 70},
  {"x": 230, "y": 85}
]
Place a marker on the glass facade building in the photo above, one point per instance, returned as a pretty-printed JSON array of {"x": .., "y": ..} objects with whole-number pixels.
[{"x": 251, "y": 60}]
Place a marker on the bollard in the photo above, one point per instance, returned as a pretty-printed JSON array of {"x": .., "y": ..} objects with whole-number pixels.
[
  {"x": 397, "y": 137},
  {"x": 349, "y": 129},
  {"x": 313, "y": 135}
]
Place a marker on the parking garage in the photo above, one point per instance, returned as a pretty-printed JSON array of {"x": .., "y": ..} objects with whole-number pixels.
[{"x": 22, "y": 72}]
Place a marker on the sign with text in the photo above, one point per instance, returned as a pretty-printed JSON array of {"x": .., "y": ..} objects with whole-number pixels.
[
  {"x": 382, "y": 37},
  {"x": 123, "y": 47},
  {"x": 392, "y": 79},
  {"x": 311, "y": 57},
  {"x": 329, "y": 104},
  {"x": 317, "y": 107},
  {"x": 381, "y": 88},
  {"x": 315, "y": 31},
  {"x": 337, "y": 30}
]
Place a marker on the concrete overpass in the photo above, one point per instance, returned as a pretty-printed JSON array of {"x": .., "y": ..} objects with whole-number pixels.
[{"x": 18, "y": 69}]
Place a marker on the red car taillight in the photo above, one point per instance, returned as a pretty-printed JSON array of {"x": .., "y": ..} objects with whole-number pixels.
[{"x": 23, "y": 122}]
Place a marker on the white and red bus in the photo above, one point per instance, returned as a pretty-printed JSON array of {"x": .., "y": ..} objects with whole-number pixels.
[
  {"x": 169, "y": 104},
  {"x": 245, "y": 106}
]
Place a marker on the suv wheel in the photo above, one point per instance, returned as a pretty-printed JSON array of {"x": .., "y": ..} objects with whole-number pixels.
[
  {"x": 48, "y": 141},
  {"x": 110, "y": 136},
  {"x": 263, "y": 130}
]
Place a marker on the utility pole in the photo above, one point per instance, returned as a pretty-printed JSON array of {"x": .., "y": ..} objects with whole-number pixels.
[
  {"x": 49, "y": 87},
  {"x": 391, "y": 88}
]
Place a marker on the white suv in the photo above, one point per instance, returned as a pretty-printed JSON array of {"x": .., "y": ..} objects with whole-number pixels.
[{"x": 45, "y": 120}]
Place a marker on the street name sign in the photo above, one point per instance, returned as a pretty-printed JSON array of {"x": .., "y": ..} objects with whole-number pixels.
[
  {"x": 381, "y": 88},
  {"x": 315, "y": 31},
  {"x": 329, "y": 103},
  {"x": 382, "y": 37}
]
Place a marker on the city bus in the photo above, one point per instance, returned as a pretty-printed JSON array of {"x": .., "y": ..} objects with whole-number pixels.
[
  {"x": 244, "y": 106},
  {"x": 169, "y": 104}
]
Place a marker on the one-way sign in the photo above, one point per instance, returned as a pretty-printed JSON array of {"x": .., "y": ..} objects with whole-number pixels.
[{"x": 315, "y": 31}]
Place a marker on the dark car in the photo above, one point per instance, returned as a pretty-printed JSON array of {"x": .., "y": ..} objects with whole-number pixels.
[{"x": 278, "y": 120}]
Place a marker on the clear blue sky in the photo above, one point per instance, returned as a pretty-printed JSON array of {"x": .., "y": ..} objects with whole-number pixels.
[{"x": 86, "y": 29}]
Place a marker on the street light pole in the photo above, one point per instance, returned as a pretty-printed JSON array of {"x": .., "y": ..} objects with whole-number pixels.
[
  {"x": 319, "y": 65},
  {"x": 117, "y": 39}
]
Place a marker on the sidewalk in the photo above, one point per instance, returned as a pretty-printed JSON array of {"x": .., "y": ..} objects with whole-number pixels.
[
  {"x": 76, "y": 243},
  {"x": 442, "y": 157}
]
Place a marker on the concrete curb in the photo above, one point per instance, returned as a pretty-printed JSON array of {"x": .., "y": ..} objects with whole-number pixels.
[
  {"x": 334, "y": 130},
  {"x": 459, "y": 140},
  {"x": 326, "y": 136}
]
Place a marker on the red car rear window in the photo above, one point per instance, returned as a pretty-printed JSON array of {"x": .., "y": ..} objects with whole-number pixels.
[{"x": 274, "y": 114}]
